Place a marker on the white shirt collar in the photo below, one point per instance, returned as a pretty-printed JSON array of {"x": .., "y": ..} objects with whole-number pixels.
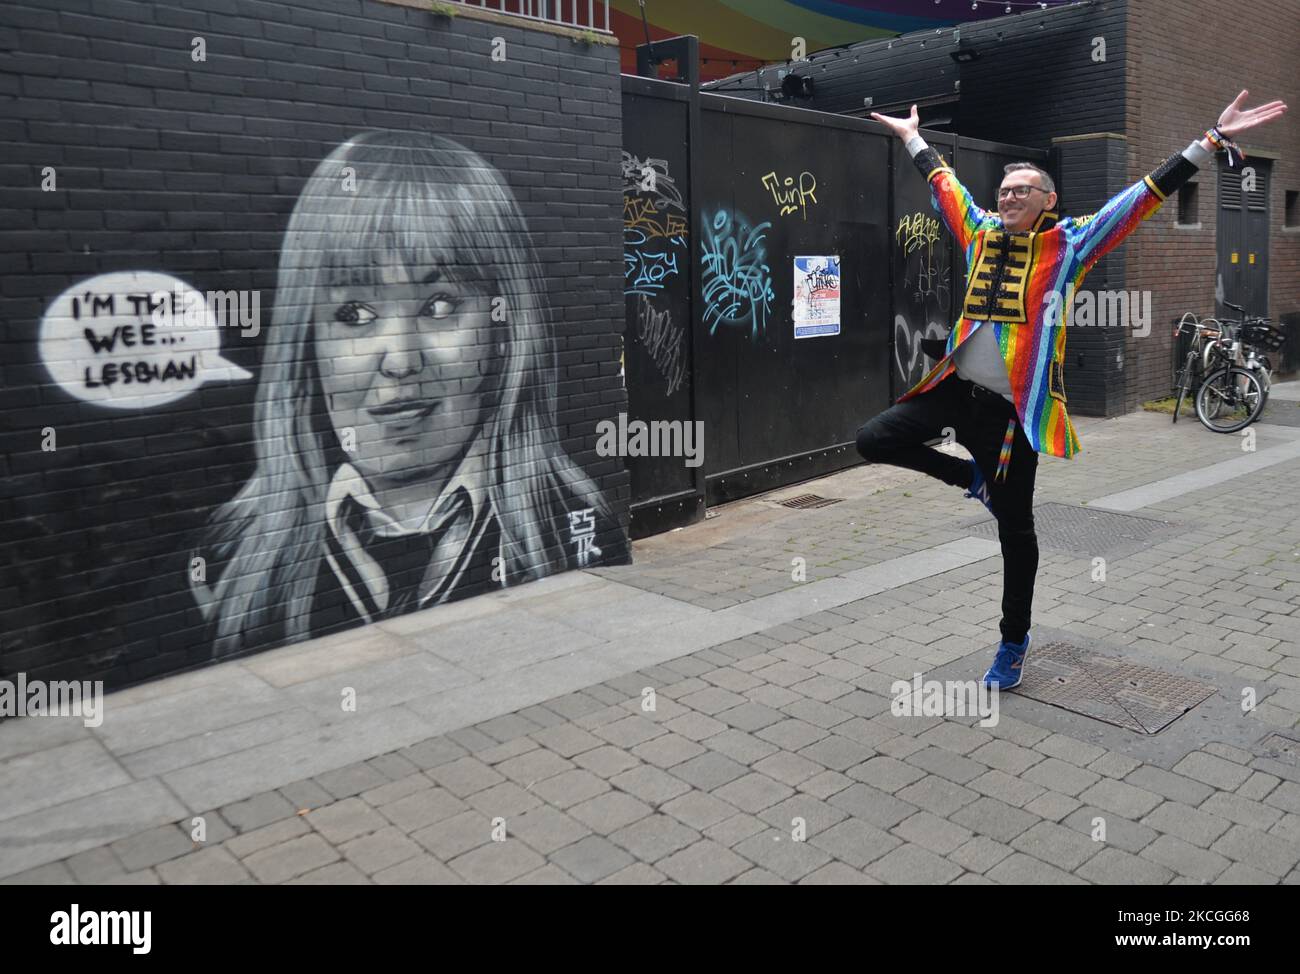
[
  {"x": 369, "y": 585},
  {"x": 470, "y": 474}
]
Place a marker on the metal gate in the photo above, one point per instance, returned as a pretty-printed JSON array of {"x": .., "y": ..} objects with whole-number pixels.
[{"x": 726, "y": 221}]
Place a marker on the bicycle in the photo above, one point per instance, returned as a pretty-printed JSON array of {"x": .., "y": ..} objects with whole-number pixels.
[
  {"x": 1258, "y": 337},
  {"x": 1231, "y": 396},
  {"x": 1187, "y": 380}
]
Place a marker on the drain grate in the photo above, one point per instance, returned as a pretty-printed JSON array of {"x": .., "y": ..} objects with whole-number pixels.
[
  {"x": 1281, "y": 748},
  {"x": 1083, "y": 530},
  {"x": 1127, "y": 695},
  {"x": 805, "y": 502}
]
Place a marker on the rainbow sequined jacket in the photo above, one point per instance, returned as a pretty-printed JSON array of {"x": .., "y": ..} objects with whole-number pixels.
[{"x": 1010, "y": 280}]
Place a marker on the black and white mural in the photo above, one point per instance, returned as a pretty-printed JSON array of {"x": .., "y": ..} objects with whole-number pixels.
[
  {"x": 291, "y": 383},
  {"x": 405, "y": 411}
]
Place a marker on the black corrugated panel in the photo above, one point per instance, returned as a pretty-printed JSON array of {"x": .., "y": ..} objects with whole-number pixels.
[{"x": 1037, "y": 75}]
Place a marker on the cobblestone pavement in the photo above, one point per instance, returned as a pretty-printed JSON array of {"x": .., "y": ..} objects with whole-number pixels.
[{"x": 774, "y": 758}]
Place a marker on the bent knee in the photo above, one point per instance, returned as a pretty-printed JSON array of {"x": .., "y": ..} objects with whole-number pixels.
[{"x": 868, "y": 443}]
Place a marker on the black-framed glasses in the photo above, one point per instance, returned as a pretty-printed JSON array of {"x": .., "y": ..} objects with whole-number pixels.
[{"x": 1019, "y": 192}]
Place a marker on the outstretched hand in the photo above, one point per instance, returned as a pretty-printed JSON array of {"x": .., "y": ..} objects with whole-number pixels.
[
  {"x": 1236, "y": 118},
  {"x": 904, "y": 128}
]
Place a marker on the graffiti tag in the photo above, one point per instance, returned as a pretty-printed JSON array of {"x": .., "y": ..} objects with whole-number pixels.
[
  {"x": 645, "y": 273},
  {"x": 641, "y": 223},
  {"x": 651, "y": 176},
  {"x": 917, "y": 230},
  {"x": 737, "y": 280},
  {"x": 790, "y": 196},
  {"x": 651, "y": 232},
  {"x": 665, "y": 342},
  {"x": 907, "y": 345},
  {"x": 923, "y": 265}
]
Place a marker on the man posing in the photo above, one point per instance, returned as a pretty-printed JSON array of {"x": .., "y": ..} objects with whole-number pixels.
[{"x": 1000, "y": 384}]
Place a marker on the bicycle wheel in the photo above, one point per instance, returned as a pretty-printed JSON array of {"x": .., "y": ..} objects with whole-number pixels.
[
  {"x": 1229, "y": 400},
  {"x": 1266, "y": 372},
  {"x": 1264, "y": 382}
]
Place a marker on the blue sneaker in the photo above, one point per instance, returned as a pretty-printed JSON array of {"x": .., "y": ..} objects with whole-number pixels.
[
  {"x": 979, "y": 488},
  {"x": 1008, "y": 667}
]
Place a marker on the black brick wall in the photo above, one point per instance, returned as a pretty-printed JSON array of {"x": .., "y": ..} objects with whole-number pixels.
[
  {"x": 192, "y": 169},
  {"x": 1089, "y": 172}
]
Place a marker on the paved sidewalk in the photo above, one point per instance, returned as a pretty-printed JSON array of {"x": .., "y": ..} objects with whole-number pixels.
[{"x": 770, "y": 754}]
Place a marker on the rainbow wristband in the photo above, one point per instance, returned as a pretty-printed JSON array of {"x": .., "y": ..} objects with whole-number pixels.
[{"x": 1224, "y": 144}]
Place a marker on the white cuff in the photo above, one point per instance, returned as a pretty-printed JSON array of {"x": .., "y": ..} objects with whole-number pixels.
[
  {"x": 915, "y": 144},
  {"x": 1197, "y": 154}
]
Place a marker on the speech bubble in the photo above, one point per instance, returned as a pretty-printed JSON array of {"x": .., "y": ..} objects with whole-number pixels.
[{"x": 133, "y": 340}]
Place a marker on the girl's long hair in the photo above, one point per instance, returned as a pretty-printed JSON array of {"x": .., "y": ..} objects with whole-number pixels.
[{"x": 421, "y": 200}]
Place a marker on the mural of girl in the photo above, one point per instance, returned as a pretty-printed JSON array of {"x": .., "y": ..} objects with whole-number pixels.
[{"x": 405, "y": 432}]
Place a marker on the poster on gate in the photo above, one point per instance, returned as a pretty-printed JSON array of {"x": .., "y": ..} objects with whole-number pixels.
[{"x": 816, "y": 297}]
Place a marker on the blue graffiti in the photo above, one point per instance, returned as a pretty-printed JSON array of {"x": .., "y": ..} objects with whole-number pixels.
[
  {"x": 651, "y": 233},
  {"x": 737, "y": 281},
  {"x": 645, "y": 273}
]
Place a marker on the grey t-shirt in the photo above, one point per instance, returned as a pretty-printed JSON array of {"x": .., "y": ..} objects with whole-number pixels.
[{"x": 979, "y": 360}]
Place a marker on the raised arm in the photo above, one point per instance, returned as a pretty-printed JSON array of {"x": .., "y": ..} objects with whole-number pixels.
[
  {"x": 1095, "y": 236},
  {"x": 951, "y": 198}
]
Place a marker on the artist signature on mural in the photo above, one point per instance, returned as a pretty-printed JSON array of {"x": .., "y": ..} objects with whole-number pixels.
[
  {"x": 582, "y": 535},
  {"x": 789, "y": 195},
  {"x": 737, "y": 281}
]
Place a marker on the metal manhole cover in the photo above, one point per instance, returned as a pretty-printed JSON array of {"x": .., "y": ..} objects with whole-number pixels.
[
  {"x": 806, "y": 502},
  {"x": 1138, "y": 698},
  {"x": 1084, "y": 530},
  {"x": 1281, "y": 748}
]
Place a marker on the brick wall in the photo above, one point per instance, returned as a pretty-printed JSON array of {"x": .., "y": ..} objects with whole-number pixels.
[
  {"x": 122, "y": 152},
  {"x": 1185, "y": 62},
  {"x": 1090, "y": 170},
  {"x": 1039, "y": 77}
]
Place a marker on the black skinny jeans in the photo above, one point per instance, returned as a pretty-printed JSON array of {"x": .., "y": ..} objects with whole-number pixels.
[{"x": 898, "y": 436}]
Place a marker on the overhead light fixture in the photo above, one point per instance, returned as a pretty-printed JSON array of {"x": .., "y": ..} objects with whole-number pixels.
[
  {"x": 797, "y": 86},
  {"x": 964, "y": 55}
]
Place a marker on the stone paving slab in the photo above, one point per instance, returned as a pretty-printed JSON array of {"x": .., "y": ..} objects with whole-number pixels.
[{"x": 769, "y": 754}]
